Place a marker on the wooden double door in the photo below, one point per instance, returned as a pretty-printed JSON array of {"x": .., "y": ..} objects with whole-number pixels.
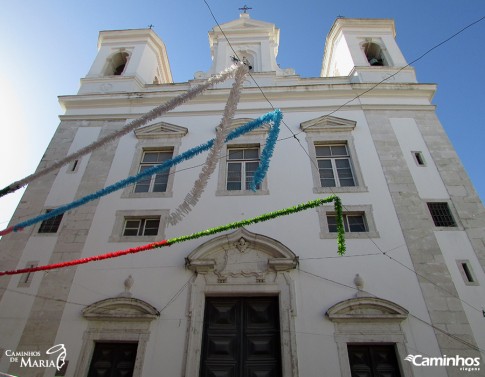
[{"x": 241, "y": 337}]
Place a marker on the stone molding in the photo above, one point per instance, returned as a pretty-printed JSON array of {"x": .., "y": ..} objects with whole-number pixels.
[
  {"x": 328, "y": 123},
  {"x": 259, "y": 255},
  {"x": 242, "y": 263},
  {"x": 161, "y": 130},
  {"x": 369, "y": 320},
  {"x": 120, "y": 309},
  {"x": 366, "y": 309}
]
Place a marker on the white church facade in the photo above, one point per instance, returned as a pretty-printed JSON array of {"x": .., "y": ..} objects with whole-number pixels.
[{"x": 269, "y": 299}]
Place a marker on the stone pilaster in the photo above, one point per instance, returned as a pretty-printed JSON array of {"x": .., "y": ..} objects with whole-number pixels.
[
  {"x": 32, "y": 203},
  {"x": 46, "y": 313},
  {"x": 444, "y": 308}
]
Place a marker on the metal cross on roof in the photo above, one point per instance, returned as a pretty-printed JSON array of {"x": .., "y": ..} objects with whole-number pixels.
[{"x": 245, "y": 8}]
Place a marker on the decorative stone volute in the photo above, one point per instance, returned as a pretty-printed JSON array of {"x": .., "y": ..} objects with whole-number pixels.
[{"x": 241, "y": 256}]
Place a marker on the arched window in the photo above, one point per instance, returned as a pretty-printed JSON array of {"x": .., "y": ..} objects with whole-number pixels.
[
  {"x": 247, "y": 58},
  {"x": 116, "y": 64},
  {"x": 374, "y": 54}
]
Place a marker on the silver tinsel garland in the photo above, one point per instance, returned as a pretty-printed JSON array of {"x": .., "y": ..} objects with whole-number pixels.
[{"x": 200, "y": 184}]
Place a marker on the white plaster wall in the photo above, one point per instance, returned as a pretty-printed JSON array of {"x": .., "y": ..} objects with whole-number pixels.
[
  {"x": 148, "y": 65},
  {"x": 455, "y": 245},
  {"x": 159, "y": 274},
  {"x": 341, "y": 58},
  {"x": 322, "y": 278},
  {"x": 17, "y": 302},
  {"x": 426, "y": 178},
  {"x": 66, "y": 183}
]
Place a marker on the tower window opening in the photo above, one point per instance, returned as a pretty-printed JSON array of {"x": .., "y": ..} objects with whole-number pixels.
[
  {"x": 248, "y": 58},
  {"x": 117, "y": 64},
  {"x": 248, "y": 63},
  {"x": 374, "y": 54}
]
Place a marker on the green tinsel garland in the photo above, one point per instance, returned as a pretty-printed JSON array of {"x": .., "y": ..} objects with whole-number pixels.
[
  {"x": 208, "y": 232},
  {"x": 272, "y": 215}
]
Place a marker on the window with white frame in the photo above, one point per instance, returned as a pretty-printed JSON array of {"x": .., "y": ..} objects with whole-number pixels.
[
  {"x": 157, "y": 182},
  {"x": 353, "y": 222},
  {"x": 334, "y": 165},
  {"x": 242, "y": 162},
  {"x": 141, "y": 226},
  {"x": 358, "y": 222}
]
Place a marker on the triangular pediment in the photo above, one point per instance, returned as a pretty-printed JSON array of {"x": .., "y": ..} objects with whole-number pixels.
[
  {"x": 328, "y": 123},
  {"x": 120, "y": 309},
  {"x": 236, "y": 123},
  {"x": 245, "y": 27},
  {"x": 366, "y": 309},
  {"x": 245, "y": 23},
  {"x": 161, "y": 130}
]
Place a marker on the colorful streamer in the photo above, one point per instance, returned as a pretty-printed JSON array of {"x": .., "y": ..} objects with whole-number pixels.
[
  {"x": 144, "y": 119},
  {"x": 204, "y": 233},
  {"x": 192, "y": 198},
  {"x": 248, "y": 127},
  {"x": 267, "y": 152}
]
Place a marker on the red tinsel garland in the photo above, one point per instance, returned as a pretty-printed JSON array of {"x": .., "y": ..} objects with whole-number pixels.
[{"x": 75, "y": 262}]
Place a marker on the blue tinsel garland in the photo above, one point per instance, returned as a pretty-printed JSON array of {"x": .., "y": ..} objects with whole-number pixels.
[{"x": 274, "y": 116}]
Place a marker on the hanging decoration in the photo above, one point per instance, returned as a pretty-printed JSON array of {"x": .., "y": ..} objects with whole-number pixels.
[
  {"x": 267, "y": 152},
  {"x": 274, "y": 116},
  {"x": 144, "y": 119},
  {"x": 208, "y": 232},
  {"x": 192, "y": 198}
]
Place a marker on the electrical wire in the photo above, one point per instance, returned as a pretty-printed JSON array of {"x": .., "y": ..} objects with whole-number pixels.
[
  {"x": 402, "y": 68},
  {"x": 454, "y": 337},
  {"x": 385, "y": 253},
  {"x": 334, "y": 111}
]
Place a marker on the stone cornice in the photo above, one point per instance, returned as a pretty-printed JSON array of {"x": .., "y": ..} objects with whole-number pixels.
[
  {"x": 384, "y": 93},
  {"x": 260, "y": 109}
]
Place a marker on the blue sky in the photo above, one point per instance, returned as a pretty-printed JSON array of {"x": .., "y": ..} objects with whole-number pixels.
[{"x": 48, "y": 46}]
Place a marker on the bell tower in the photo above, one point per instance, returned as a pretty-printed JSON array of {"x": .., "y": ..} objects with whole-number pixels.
[
  {"x": 365, "y": 49},
  {"x": 127, "y": 60},
  {"x": 255, "y": 42}
]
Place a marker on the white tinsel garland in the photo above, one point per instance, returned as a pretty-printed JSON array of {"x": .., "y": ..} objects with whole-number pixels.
[
  {"x": 193, "y": 196},
  {"x": 144, "y": 119}
]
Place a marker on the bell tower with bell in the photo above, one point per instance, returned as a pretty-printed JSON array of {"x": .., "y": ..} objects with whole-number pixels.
[
  {"x": 366, "y": 50},
  {"x": 127, "y": 60}
]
